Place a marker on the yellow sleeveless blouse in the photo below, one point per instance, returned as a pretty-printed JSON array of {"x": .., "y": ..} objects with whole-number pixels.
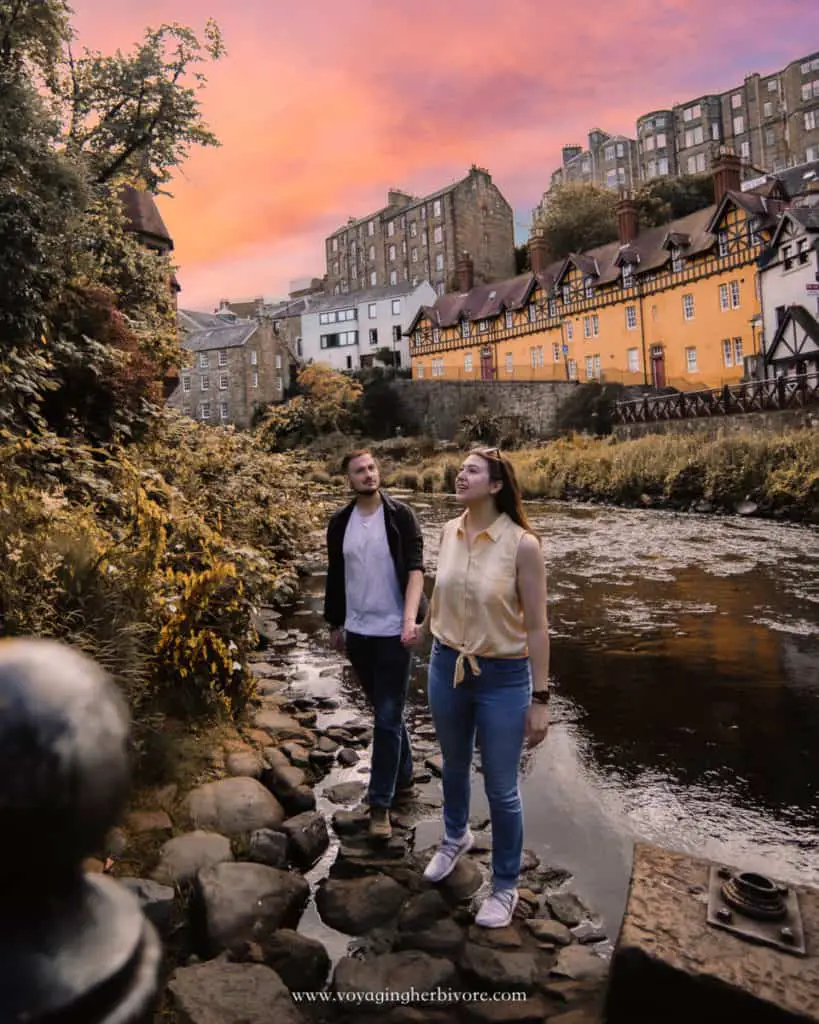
[{"x": 475, "y": 607}]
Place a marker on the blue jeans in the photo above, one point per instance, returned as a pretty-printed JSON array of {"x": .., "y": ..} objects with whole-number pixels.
[
  {"x": 382, "y": 665},
  {"x": 493, "y": 707}
]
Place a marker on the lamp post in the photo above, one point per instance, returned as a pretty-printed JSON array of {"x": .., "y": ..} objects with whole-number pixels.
[{"x": 73, "y": 947}]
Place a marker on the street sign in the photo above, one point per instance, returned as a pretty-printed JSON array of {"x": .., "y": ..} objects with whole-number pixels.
[
  {"x": 812, "y": 287},
  {"x": 565, "y": 350}
]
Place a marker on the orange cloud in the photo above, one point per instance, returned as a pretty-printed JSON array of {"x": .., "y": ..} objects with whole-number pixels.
[{"x": 322, "y": 107}]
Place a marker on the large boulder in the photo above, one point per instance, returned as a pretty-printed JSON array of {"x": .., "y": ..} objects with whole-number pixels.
[
  {"x": 218, "y": 992},
  {"x": 357, "y": 905},
  {"x": 155, "y": 899},
  {"x": 240, "y": 899},
  {"x": 308, "y": 838},
  {"x": 372, "y": 981},
  {"x": 268, "y": 847},
  {"x": 181, "y": 858},
  {"x": 233, "y": 807},
  {"x": 301, "y": 962},
  {"x": 499, "y": 969}
]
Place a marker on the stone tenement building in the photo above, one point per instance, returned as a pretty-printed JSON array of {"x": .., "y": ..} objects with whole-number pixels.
[
  {"x": 770, "y": 121},
  {"x": 610, "y": 160},
  {"x": 235, "y": 368},
  {"x": 415, "y": 239}
]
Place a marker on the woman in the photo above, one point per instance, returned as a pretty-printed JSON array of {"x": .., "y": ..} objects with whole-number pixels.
[{"x": 489, "y": 669}]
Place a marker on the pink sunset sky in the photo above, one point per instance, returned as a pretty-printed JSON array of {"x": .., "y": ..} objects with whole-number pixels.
[{"x": 322, "y": 106}]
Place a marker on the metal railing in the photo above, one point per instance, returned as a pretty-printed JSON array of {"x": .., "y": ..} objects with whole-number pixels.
[{"x": 773, "y": 394}]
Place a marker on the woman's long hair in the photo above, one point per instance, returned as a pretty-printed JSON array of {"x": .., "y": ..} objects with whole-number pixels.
[{"x": 508, "y": 498}]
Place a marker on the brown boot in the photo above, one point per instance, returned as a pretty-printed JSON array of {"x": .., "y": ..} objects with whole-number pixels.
[{"x": 380, "y": 827}]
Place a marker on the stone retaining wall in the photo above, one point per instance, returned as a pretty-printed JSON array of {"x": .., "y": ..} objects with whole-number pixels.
[{"x": 440, "y": 405}]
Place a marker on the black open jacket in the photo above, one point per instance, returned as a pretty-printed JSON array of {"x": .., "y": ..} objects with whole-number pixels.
[{"x": 406, "y": 544}]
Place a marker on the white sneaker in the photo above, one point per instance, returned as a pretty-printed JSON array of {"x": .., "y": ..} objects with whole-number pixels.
[
  {"x": 447, "y": 856},
  {"x": 498, "y": 909}
]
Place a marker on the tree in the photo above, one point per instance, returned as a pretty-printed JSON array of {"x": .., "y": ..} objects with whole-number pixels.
[
  {"x": 665, "y": 199},
  {"x": 522, "y": 262},
  {"x": 578, "y": 217},
  {"x": 139, "y": 113},
  {"x": 86, "y": 314}
]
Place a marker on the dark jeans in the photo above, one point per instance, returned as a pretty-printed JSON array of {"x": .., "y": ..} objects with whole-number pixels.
[{"x": 382, "y": 665}]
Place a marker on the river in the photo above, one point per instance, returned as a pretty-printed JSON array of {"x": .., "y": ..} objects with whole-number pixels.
[{"x": 685, "y": 666}]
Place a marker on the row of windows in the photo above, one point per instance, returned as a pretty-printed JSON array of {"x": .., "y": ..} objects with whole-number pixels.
[
  {"x": 413, "y": 225},
  {"x": 729, "y": 298},
  {"x": 338, "y": 316},
  {"x": 372, "y": 309},
  {"x": 340, "y": 340},
  {"x": 204, "y": 382},
  {"x": 222, "y": 359},
  {"x": 795, "y": 255}
]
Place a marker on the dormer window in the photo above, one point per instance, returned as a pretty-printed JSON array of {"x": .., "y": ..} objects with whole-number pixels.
[
  {"x": 464, "y": 328},
  {"x": 722, "y": 244},
  {"x": 753, "y": 231},
  {"x": 552, "y": 307},
  {"x": 588, "y": 286},
  {"x": 566, "y": 292},
  {"x": 628, "y": 275},
  {"x": 676, "y": 261},
  {"x": 532, "y": 312}
]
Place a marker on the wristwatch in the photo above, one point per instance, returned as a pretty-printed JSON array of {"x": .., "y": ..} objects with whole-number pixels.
[{"x": 541, "y": 696}]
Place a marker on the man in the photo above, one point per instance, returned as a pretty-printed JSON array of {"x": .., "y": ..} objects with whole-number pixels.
[{"x": 374, "y": 602}]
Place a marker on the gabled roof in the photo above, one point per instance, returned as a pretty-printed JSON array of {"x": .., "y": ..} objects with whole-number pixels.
[
  {"x": 481, "y": 303},
  {"x": 800, "y": 316},
  {"x": 764, "y": 209},
  {"x": 676, "y": 240},
  {"x": 804, "y": 218},
  {"x": 586, "y": 264},
  {"x": 143, "y": 218},
  {"x": 204, "y": 332}
]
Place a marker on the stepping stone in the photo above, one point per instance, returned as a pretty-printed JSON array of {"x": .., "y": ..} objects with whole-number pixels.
[
  {"x": 181, "y": 858},
  {"x": 233, "y": 807},
  {"x": 227, "y": 993}
]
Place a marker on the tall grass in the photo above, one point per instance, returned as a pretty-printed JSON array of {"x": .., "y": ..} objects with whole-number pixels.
[{"x": 778, "y": 473}]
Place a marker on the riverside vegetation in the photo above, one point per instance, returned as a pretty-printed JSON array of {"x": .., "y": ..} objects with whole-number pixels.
[{"x": 772, "y": 475}]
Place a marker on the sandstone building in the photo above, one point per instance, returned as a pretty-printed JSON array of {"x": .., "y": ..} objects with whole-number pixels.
[
  {"x": 414, "y": 239},
  {"x": 235, "y": 367},
  {"x": 770, "y": 121}
]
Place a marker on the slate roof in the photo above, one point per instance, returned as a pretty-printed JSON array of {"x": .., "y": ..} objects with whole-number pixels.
[
  {"x": 481, "y": 303},
  {"x": 648, "y": 253},
  {"x": 142, "y": 215},
  {"x": 392, "y": 291},
  {"x": 205, "y": 332}
]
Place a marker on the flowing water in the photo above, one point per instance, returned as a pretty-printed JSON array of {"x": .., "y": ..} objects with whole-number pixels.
[{"x": 685, "y": 666}]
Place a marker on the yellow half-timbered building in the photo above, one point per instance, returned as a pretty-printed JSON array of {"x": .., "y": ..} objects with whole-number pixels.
[{"x": 674, "y": 306}]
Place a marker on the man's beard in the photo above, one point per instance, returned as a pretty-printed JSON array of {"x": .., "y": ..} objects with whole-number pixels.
[{"x": 367, "y": 492}]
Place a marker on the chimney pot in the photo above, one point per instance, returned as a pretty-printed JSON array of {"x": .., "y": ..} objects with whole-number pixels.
[
  {"x": 538, "y": 252},
  {"x": 466, "y": 273},
  {"x": 627, "y": 227},
  {"x": 726, "y": 170}
]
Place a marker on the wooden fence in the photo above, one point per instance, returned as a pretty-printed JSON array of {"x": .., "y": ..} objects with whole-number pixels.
[{"x": 753, "y": 396}]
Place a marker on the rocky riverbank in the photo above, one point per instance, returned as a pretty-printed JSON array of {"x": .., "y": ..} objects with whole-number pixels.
[{"x": 263, "y": 882}]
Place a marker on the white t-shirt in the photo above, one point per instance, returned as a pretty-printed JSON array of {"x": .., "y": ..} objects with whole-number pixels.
[{"x": 375, "y": 604}]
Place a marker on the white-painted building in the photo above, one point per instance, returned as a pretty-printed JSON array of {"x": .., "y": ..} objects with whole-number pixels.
[
  {"x": 351, "y": 331},
  {"x": 789, "y": 283}
]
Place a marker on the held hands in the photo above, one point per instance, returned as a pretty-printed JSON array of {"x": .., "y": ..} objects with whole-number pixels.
[
  {"x": 410, "y": 634},
  {"x": 337, "y": 640},
  {"x": 537, "y": 724}
]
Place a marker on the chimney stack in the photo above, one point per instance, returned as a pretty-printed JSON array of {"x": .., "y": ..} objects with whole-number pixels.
[
  {"x": 466, "y": 273},
  {"x": 626, "y": 219},
  {"x": 538, "y": 252},
  {"x": 726, "y": 172}
]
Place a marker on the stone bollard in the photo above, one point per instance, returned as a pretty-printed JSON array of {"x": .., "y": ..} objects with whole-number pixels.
[{"x": 73, "y": 947}]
